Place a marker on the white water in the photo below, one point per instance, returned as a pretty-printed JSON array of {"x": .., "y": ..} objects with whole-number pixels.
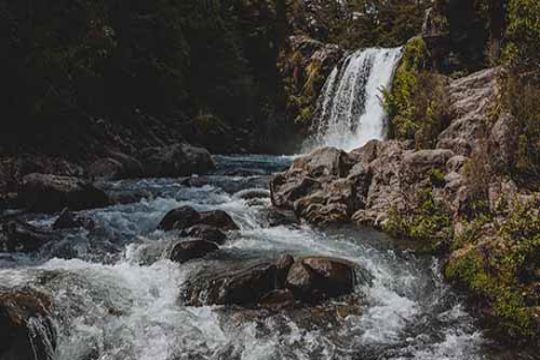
[
  {"x": 128, "y": 308},
  {"x": 350, "y": 111}
]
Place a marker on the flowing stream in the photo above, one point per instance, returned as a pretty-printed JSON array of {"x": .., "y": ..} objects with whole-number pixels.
[
  {"x": 350, "y": 111},
  {"x": 116, "y": 296}
]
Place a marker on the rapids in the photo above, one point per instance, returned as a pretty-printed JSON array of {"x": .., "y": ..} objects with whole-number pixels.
[{"x": 117, "y": 297}]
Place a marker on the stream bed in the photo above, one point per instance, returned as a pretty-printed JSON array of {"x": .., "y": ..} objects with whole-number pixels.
[{"x": 117, "y": 296}]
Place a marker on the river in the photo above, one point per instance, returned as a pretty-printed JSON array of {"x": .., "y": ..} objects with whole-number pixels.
[{"x": 116, "y": 296}]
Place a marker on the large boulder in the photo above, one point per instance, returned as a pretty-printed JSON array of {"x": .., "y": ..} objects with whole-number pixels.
[
  {"x": 115, "y": 166},
  {"x": 239, "y": 283},
  {"x": 176, "y": 160},
  {"x": 273, "y": 283},
  {"x": 324, "y": 161},
  {"x": 186, "y": 217},
  {"x": 26, "y": 329},
  {"x": 316, "y": 278},
  {"x": 49, "y": 193},
  {"x": 192, "y": 249}
]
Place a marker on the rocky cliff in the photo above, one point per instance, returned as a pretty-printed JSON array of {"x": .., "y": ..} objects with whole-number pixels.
[{"x": 450, "y": 200}]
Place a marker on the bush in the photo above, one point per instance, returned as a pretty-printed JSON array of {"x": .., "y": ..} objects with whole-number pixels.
[
  {"x": 416, "y": 105},
  {"x": 429, "y": 223}
]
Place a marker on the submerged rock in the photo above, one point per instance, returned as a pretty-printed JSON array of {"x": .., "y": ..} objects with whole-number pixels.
[
  {"x": 194, "y": 249},
  {"x": 240, "y": 284},
  {"x": 49, "y": 193},
  {"x": 26, "y": 329}
]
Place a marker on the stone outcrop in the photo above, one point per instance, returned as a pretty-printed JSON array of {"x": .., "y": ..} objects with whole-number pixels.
[
  {"x": 363, "y": 185},
  {"x": 49, "y": 193},
  {"x": 26, "y": 329}
]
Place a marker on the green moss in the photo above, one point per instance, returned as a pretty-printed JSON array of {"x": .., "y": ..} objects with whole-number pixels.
[
  {"x": 429, "y": 224},
  {"x": 498, "y": 272},
  {"x": 415, "y": 103}
]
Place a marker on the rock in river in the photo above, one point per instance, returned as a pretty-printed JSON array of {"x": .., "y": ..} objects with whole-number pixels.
[
  {"x": 26, "y": 330},
  {"x": 49, "y": 193},
  {"x": 192, "y": 249},
  {"x": 185, "y": 217}
]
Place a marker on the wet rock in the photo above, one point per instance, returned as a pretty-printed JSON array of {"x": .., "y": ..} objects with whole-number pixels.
[
  {"x": 316, "y": 278},
  {"x": 277, "y": 300},
  {"x": 176, "y": 160},
  {"x": 68, "y": 220},
  {"x": 207, "y": 233},
  {"x": 253, "y": 194},
  {"x": 17, "y": 236},
  {"x": 324, "y": 161},
  {"x": 26, "y": 330},
  {"x": 218, "y": 219},
  {"x": 49, "y": 193},
  {"x": 115, "y": 166},
  {"x": 180, "y": 218},
  {"x": 185, "y": 217},
  {"x": 240, "y": 283},
  {"x": 189, "y": 250},
  {"x": 288, "y": 187}
]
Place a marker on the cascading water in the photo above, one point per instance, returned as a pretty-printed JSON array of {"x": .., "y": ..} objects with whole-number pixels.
[{"x": 350, "y": 111}]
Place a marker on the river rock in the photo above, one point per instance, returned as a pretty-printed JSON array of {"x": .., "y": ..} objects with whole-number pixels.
[
  {"x": 185, "y": 217},
  {"x": 68, "y": 220},
  {"x": 193, "y": 249},
  {"x": 207, "y": 233},
  {"x": 116, "y": 166},
  {"x": 324, "y": 161},
  {"x": 242, "y": 283},
  {"x": 176, "y": 160},
  {"x": 49, "y": 193},
  {"x": 17, "y": 236},
  {"x": 218, "y": 219},
  {"x": 26, "y": 330},
  {"x": 316, "y": 278},
  {"x": 180, "y": 218}
]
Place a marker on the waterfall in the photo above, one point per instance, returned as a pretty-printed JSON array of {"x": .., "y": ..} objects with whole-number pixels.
[{"x": 350, "y": 111}]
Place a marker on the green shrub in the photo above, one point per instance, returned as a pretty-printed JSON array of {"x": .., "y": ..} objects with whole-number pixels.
[
  {"x": 499, "y": 271},
  {"x": 416, "y": 104},
  {"x": 429, "y": 224}
]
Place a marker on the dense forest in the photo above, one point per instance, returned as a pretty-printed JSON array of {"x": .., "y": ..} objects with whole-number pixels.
[{"x": 205, "y": 70}]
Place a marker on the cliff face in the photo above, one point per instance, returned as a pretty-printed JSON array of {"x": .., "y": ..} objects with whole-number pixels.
[{"x": 448, "y": 200}]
